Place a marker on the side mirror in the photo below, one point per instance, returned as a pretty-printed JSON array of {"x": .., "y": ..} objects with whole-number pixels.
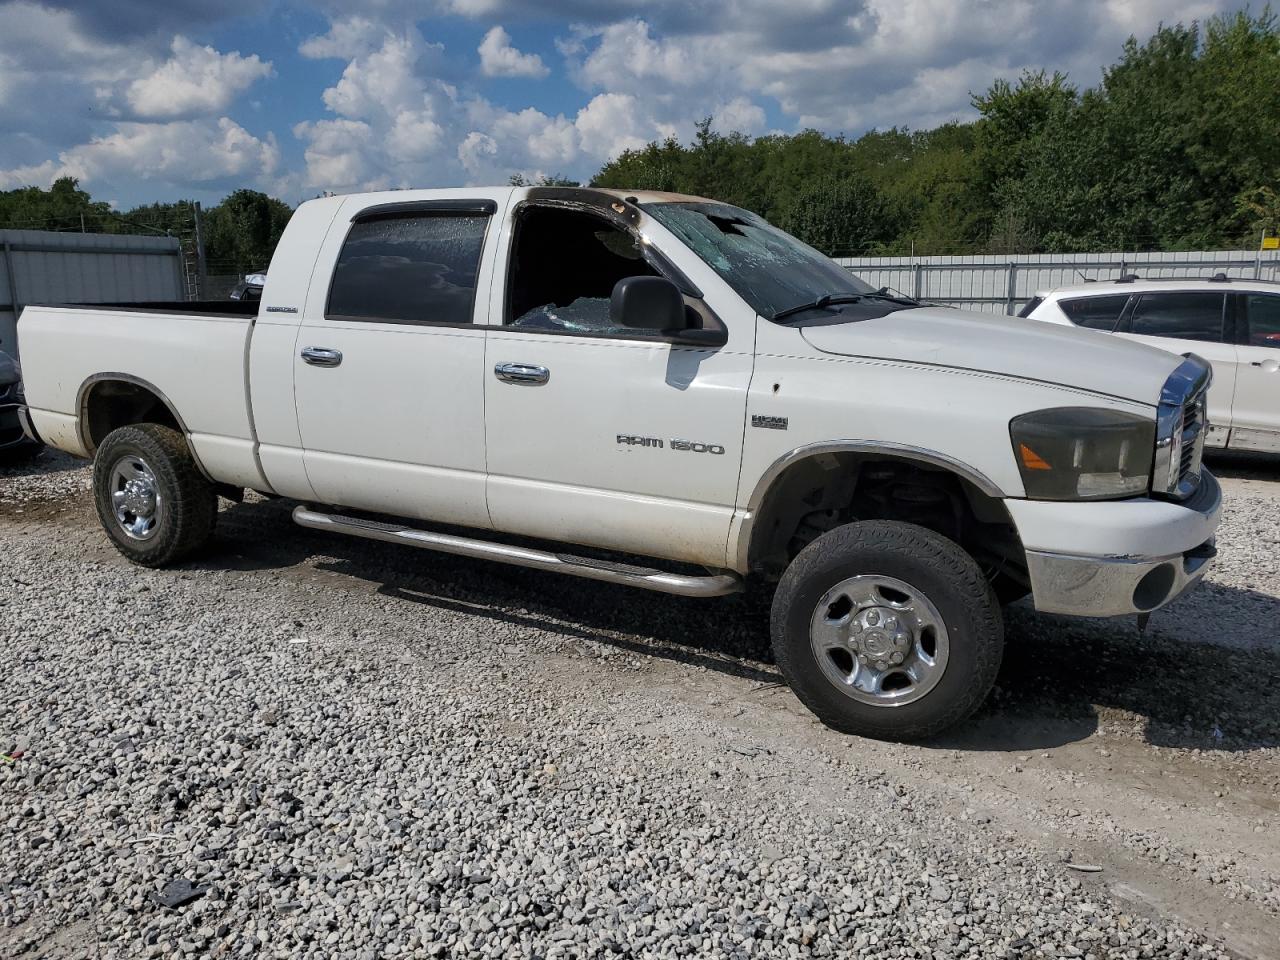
[
  {"x": 655, "y": 303},
  {"x": 647, "y": 303}
]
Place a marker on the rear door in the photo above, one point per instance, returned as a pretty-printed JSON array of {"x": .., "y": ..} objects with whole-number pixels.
[
  {"x": 388, "y": 364},
  {"x": 1192, "y": 321},
  {"x": 1256, "y": 410}
]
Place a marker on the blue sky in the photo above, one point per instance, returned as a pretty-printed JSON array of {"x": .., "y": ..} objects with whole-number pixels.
[{"x": 146, "y": 101}]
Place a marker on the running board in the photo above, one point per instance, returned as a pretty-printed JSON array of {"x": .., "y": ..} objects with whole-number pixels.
[{"x": 711, "y": 585}]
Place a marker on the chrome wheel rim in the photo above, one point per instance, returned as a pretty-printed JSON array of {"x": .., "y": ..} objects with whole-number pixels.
[
  {"x": 135, "y": 498},
  {"x": 879, "y": 640}
]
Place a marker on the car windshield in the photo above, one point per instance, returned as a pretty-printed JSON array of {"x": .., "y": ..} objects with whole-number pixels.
[{"x": 770, "y": 269}]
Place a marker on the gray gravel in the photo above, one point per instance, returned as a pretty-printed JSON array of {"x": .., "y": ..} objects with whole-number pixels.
[{"x": 368, "y": 752}]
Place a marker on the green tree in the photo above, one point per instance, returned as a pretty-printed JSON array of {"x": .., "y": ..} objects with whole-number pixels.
[
  {"x": 847, "y": 217},
  {"x": 242, "y": 231}
]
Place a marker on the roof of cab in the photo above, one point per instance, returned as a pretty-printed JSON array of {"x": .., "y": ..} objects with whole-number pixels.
[{"x": 651, "y": 196}]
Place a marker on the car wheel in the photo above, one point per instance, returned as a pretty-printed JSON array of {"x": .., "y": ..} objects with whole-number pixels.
[
  {"x": 154, "y": 503},
  {"x": 887, "y": 630}
]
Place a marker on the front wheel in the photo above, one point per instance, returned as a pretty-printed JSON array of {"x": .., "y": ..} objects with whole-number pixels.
[
  {"x": 153, "y": 501},
  {"x": 887, "y": 630}
]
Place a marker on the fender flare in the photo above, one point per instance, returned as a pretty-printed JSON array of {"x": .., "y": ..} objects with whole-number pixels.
[
  {"x": 82, "y": 411},
  {"x": 741, "y": 551}
]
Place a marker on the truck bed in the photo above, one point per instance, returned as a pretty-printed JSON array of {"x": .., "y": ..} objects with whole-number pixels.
[{"x": 191, "y": 355}]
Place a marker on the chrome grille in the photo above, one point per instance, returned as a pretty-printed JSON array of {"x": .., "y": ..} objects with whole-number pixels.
[
  {"x": 1193, "y": 430},
  {"x": 1181, "y": 425}
]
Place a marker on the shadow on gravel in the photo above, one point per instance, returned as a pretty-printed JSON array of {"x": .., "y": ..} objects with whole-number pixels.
[
  {"x": 46, "y": 463},
  {"x": 1060, "y": 674},
  {"x": 1243, "y": 465}
]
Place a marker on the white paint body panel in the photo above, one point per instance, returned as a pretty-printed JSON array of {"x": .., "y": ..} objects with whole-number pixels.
[
  {"x": 414, "y": 423},
  {"x": 1256, "y": 409}
]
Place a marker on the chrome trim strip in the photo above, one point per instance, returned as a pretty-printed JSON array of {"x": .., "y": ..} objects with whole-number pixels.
[
  {"x": 712, "y": 585},
  {"x": 742, "y": 551}
]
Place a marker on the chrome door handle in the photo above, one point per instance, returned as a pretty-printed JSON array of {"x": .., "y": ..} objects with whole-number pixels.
[
  {"x": 321, "y": 356},
  {"x": 521, "y": 373}
]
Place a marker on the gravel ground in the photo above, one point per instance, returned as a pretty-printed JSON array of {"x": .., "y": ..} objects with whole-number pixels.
[{"x": 367, "y": 751}]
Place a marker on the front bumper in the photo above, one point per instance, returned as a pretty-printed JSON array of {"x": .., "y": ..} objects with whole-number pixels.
[{"x": 1121, "y": 580}]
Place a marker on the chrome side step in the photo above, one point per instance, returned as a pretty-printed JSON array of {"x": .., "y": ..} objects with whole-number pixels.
[{"x": 711, "y": 585}]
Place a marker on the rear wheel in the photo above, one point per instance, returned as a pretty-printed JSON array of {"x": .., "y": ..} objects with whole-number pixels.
[
  {"x": 154, "y": 503},
  {"x": 887, "y": 630}
]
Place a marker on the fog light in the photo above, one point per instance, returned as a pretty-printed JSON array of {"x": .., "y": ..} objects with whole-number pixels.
[{"x": 1153, "y": 589}]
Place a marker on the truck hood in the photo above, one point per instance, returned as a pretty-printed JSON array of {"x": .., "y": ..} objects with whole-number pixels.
[{"x": 1010, "y": 346}]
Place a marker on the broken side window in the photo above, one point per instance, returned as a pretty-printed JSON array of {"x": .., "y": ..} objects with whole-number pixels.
[{"x": 564, "y": 266}]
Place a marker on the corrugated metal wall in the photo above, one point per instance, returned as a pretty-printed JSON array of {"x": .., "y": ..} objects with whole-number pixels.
[
  {"x": 1001, "y": 284},
  {"x": 42, "y": 267}
]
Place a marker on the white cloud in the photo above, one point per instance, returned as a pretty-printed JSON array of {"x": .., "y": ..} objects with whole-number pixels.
[
  {"x": 498, "y": 58},
  {"x": 349, "y": 37},
  {"x": 183, "y": 151},
  {"x": 195, "y": 80}
]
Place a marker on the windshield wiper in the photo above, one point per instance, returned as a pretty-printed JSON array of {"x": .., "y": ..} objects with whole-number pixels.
[
  {"x": 823, "y": 301},
  {"x": 884, "y": 293}
]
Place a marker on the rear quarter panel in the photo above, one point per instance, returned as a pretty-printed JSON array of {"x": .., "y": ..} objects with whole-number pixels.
[{"x": 196, "y": 362}]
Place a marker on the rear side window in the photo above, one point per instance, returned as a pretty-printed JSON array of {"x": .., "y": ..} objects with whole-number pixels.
[
  {"x": 409, "y": 269},
  {"x": 1096, "y": 313},
  {"x": 1263, "y": 311},
  {"x": 1180, "y": 316},
  {"x": 1029, "y": 306}
]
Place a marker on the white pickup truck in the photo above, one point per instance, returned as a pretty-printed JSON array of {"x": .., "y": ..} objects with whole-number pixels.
[{"x": 578, "y": 379}]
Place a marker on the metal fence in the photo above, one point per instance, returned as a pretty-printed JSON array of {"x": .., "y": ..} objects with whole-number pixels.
[
  {"x": 1002, "y": 283},
  {"x": 39, "y": 266}
]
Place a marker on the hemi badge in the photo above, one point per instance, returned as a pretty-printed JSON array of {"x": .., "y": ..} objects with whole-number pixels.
[{"x": 768, "y": 423}]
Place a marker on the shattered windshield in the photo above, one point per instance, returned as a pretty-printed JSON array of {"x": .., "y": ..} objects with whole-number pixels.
[{"x": 771, "y": 270}]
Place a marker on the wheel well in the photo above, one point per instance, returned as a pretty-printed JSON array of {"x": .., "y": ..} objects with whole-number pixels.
[
  {"x": 828, "y": 490},
  {"x": 109, "y": 404}
]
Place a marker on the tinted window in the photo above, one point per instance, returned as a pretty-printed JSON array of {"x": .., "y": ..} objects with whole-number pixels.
[
  {"x": 1183, "y": 316},
  {"x": 1264, "y": 320},
  {"x": 1096, "y": 313},
  {"x": 409, "y": 269}
]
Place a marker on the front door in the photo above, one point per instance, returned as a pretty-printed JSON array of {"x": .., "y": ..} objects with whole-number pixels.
[
  {"x": 600, "y": 435},
  {"x": 1256, "y": 411},
  {"x": 389, "y": 364},
  {"x": 1192, "y": 321}
]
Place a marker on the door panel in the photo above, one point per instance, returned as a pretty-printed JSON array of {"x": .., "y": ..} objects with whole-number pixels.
[
  {"x": 588, "y": 456},
  {"x": 398, "y": 426},
  {"x": 1192, "y": 322},
  {"x": 1256, "y": 411},
  {"x": 388, "y": 363}
]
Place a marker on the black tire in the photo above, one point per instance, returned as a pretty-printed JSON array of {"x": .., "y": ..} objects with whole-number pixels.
[
  {"x": 932, "y": 565},
  {"x": 190, "y": 503}
]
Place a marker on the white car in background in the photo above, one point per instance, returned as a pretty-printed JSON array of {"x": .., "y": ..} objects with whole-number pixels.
[{"x": 1234, "y": 324}]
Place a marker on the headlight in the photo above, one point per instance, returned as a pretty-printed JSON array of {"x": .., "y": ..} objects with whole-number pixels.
[{"x": 1083, "y": 453}]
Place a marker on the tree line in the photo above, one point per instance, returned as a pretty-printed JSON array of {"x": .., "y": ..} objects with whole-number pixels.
[
  {"x": 239, "y": 233},
  {"x": 1177, "y": 148}
]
